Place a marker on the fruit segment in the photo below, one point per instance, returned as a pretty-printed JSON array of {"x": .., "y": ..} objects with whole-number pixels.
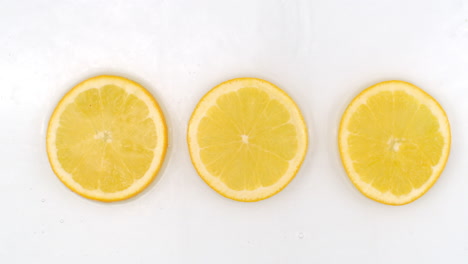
[
  {"x": 107, "y": 138},
  {"x": 394, "y": 142},
  {"x": 247, "y": 139}
]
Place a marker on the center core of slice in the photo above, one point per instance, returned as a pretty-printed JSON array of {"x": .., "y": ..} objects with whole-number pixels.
[
  {"x": 245, "y": 139},
  {"x": 395, "y": 143},
  {"x": 105, "y": 136}
]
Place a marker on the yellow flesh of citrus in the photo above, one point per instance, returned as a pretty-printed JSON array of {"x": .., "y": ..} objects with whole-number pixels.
[
  {"x": 107, "y": 138},
  {"x": 394, "y": 141},
  {"x": 247, "y": 139}
]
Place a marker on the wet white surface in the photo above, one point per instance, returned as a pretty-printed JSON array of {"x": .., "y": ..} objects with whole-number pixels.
[{"x": 321, "y": 52}]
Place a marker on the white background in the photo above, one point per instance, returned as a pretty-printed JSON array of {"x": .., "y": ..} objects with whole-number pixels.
[{"x": 321, "y": 52}]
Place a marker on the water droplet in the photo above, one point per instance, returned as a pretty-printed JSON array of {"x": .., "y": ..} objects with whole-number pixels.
[
  {"x": 300, "y": 235},
  {"x": 61, "y": 221},
  {"x": 43, "y": 200}
]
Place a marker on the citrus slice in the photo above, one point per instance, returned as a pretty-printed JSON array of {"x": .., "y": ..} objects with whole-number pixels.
[
  {"x": 107, "y": 138},
  {"x": 394, "y": 141},
  {"x": 247, "y": 139}
]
